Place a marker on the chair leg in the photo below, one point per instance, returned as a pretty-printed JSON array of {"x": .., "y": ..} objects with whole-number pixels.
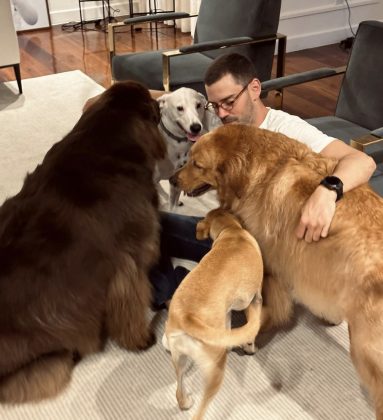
[{"x": 16, "y": 68}]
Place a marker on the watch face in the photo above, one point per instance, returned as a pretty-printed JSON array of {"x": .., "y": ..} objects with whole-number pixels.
[
  {"x": 335, "y": 184},
  {"x": 333, "y": 180}
]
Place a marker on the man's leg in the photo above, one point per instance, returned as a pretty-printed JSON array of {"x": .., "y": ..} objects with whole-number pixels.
[{"x": 178, "y": 240}]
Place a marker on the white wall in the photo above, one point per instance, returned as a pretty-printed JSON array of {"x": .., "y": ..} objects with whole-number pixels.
[
  {"x": 321, "y": 22},
  {"x": 307, "y": 24},
  {"x": 64, "y": 11}
]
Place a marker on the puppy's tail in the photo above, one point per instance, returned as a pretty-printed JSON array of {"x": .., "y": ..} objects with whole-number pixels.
[{"x": 226, "y": 338}]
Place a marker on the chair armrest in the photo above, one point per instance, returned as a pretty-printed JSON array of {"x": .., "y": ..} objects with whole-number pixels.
[
  {"x": 156, "y": 17},
  {"x": 371, "y": 143},
  {"x": 224, "y": 43},
  {"x": 298, "y": 78},
  {"x": 378, "y": 132}
]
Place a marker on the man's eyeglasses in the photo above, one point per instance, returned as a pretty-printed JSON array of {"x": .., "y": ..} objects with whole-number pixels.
[{"x": 228, "y": 104}]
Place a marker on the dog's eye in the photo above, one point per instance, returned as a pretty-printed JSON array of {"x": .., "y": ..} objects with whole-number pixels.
[
  {"x": 198, "y": 106},
  {"x": 180, "y": 108},
  {"x": 195, "y": 164}
]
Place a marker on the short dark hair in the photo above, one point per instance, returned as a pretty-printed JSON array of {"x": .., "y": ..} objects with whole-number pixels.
[{"x": 239, "y": 66}]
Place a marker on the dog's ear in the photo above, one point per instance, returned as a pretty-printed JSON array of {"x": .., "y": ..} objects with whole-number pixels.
[
  {"x": 202, "y": 230},
  {"x": 202, "y": 98},
  {"x": 161, "y": 100},
  {"x": 233, "y": 177},
  {"x": 210, "y": 120}
]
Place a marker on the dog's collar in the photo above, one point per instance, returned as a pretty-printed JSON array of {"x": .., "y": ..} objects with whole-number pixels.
[{"x": 178, "y": 139}]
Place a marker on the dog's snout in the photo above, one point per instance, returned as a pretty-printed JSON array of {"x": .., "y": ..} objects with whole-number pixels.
[{"x": 195, "y": 128}]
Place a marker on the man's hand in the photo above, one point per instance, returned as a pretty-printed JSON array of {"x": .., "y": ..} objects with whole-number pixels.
[{"x": 317, "y": 214}]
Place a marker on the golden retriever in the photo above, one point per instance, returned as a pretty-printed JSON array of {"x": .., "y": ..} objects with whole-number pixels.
[
  {"x": 264, "y": 178},
  {"x": 229, "y": 277},
  {"x": 76, "y": 244}
]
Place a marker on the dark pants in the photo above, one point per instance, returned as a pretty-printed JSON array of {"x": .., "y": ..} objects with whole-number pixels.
[{"x": 177, "y": 240}]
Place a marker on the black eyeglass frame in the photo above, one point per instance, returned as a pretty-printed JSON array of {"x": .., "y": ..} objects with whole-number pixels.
[{"x": 223, "y": 104}]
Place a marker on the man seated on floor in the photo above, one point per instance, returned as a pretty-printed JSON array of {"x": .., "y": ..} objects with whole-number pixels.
[{"x": 233, "y": 92}]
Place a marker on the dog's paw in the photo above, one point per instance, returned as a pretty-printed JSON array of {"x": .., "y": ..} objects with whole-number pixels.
[
  {"x": 186, "y": 403},
  {"x": 249, "y": 348},
  {"x": 331, "y": 322},
  {"x": 165, "y": 342},
  {"x": 202, "y": 230},
  {"x": 150, "y": 341}
]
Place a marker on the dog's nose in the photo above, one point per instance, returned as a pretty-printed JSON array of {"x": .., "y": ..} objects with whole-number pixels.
[
  {"x": 174, "y": 180},
  {"x": 195, "y": 128}
]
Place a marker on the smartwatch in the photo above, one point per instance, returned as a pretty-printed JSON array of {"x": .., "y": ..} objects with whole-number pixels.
[{"x": 333, "y": 183}]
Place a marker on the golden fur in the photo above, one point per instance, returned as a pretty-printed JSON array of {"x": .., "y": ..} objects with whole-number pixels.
[
  {"x": 264, "y": 178},
  {"x": 228, "y": 278}
]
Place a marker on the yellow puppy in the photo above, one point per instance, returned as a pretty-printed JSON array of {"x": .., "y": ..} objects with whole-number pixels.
[{"x": 228, "y": 278}]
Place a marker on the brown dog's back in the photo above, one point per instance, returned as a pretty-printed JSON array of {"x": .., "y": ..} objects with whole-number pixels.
[{"x": 84, "y": 219}]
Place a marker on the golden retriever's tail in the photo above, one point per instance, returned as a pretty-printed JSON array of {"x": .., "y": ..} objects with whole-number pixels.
[
  {"x": 196, "y": 328},
  {"x": 43, "y": 378}
]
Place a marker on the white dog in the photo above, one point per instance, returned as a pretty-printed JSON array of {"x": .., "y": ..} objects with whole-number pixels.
[{"x": 183, "y": 120}]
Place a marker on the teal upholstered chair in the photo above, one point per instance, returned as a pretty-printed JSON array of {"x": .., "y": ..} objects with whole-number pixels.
[
  {"x": 358, "y": 118},
  {"x": 246, "y": 26}
]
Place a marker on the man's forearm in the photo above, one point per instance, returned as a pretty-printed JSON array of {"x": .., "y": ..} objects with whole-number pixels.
[{"x": 354, "y": 169}]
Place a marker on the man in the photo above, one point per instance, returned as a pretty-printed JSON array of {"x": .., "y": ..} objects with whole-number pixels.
[{"x": 234, "y": 94}]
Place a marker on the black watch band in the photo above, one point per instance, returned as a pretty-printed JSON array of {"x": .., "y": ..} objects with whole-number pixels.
[{"x": 333, "y": 183}]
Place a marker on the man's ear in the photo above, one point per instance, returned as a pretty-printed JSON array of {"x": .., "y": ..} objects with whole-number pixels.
[{"x": 255, "y": 89}]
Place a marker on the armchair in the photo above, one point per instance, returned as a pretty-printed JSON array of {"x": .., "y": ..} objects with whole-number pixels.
[
  {"x": 246, "y": 26},
  {"x": 9, "y": 47},
  {"x": 358, "y": 118}
]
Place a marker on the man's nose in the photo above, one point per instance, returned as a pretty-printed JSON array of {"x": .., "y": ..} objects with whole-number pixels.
[{"x": 222, "y": 113}]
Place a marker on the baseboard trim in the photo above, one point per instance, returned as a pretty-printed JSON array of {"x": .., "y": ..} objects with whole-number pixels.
[
  {"x": 325, "y": 9},
  {"x": 317, "y": 39}
]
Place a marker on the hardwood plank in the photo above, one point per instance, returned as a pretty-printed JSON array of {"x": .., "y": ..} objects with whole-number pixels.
[{"x": 54, "y": 50}]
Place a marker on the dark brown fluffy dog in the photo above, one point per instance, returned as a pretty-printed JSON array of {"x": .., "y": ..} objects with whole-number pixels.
[
  {"x": 264, "y": 178},
  {"x": 76, "y": 244}
]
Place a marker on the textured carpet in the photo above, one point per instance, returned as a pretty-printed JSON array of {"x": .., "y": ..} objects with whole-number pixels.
[{"x": 300, "y": 373}]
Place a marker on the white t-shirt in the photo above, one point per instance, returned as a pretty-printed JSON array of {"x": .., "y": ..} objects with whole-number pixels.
[{"x": 296, "y": 128}]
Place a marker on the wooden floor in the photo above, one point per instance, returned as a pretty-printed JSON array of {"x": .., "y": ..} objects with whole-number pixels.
[{"x": 56, "y": 50}]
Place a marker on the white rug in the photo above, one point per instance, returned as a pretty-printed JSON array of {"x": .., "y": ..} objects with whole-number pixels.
[{"x": 298, "y": 374}]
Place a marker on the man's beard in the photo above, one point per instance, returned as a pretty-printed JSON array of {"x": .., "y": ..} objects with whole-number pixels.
[
  {"x": 247, "y": 118},
  {"x": 229, "y": 119}
]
